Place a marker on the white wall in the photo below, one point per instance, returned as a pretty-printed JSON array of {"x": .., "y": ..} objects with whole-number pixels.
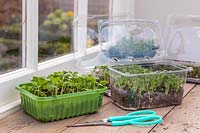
[
  {"x": 159, "y": 9},
  {"x": 121, "y": 7}
]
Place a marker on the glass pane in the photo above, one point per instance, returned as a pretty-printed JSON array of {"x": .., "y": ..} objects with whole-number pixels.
[
  {"x": 97, "y": 9},
  {"x": 10, "y": 35},
  {"x": 55, "y": 28}
]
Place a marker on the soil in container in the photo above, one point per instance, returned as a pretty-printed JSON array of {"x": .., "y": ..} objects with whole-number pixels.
[{"x": 127, "y": 99}]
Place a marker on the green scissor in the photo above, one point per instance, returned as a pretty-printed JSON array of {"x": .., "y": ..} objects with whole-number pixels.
[{"x": 138, "y": 118}]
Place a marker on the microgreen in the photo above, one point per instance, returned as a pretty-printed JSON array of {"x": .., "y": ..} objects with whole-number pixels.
[
  {"x": 160, "y": 82},
  {"x": 102, "y": 75},
  {"x": 59, "y": 83},
  {"x": 130, "y": 46},
  {"x": 195, "y": 73}
]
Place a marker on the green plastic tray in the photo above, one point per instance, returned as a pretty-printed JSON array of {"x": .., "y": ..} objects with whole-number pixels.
[{"x": 62, "y": 106}]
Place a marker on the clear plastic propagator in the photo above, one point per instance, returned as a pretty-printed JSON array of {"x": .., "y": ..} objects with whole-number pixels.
[
  {"x": 139, "y": 75},
  {"x": 182, "y": 39}
]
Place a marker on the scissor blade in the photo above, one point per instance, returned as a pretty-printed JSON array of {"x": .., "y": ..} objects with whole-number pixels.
[
  {"x": 91, "y": 124},
  {"x": 103, "y": 122}
]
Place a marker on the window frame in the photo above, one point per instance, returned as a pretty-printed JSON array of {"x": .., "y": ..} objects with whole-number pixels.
[{"x": 9, "y": 97}]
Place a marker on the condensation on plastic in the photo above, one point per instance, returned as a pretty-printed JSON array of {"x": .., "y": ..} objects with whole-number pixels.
[
  {"x": 182, "y": 38},
  {"x": 125, "y": 34},
  {"x": 114, "y": 29}
]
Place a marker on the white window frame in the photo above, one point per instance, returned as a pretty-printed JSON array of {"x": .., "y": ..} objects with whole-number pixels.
[{"x": 9, "y": 97}]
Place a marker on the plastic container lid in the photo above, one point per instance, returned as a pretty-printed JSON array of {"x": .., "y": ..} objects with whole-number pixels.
[
  {"x": 126, "y": 40},
  {"x": 130, "y": 40},
  {"x": 183, "y": 38}
]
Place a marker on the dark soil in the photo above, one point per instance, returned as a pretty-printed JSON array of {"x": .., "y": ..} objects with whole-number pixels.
[{"x": 128, "y": 99}]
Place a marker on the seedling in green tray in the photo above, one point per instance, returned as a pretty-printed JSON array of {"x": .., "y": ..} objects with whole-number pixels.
[
  {"x": 60, "y": 83},
  {"x": 61, "y": 95}
]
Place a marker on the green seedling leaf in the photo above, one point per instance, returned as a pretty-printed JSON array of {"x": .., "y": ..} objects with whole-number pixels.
[
  {"x": 147, "y": 84},
  {"x": 59, "y": 83}
]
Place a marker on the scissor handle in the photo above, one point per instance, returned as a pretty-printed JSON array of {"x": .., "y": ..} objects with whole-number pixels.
[
  {"x": 142, "y": 121},
  {"x": 132, "y": 115},
  {"x": 142, "y": 112},
  {"x": 122, "y": 118}
]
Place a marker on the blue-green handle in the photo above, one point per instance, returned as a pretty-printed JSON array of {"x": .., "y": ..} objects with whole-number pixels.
[
  {"x": 122, "y": 118},
  {"x": 132, "y": 115},
  {"x": 120, "y": 123},
  {"x": 142, "y": 112},
  {"x": 142, "y": 121}
]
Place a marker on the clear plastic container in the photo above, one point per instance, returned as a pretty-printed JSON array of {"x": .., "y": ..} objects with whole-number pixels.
[
  {"x": 139, "y": 75},
  {"x": 147, "y": 85},
  {"x": 182, "y": 42},
  {"x": 130, "y": 40}
]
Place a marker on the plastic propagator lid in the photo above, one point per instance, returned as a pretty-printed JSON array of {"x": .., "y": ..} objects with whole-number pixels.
[
  {"x": 183, "y": 38},
  {"x": 125, "y": 41},
  {"x": 130, "y": 39}
]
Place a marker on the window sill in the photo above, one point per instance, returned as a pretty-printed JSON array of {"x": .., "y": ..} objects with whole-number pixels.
[
  {"x": 15, "y": 75},
  {"x": 66, "y": 58},
  {"x": 9, "y": 108}
]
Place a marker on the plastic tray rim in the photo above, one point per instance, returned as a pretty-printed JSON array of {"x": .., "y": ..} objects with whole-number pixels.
[
  {"x": 51, "y": 98},
  {"x": 181, "y": 69}
]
